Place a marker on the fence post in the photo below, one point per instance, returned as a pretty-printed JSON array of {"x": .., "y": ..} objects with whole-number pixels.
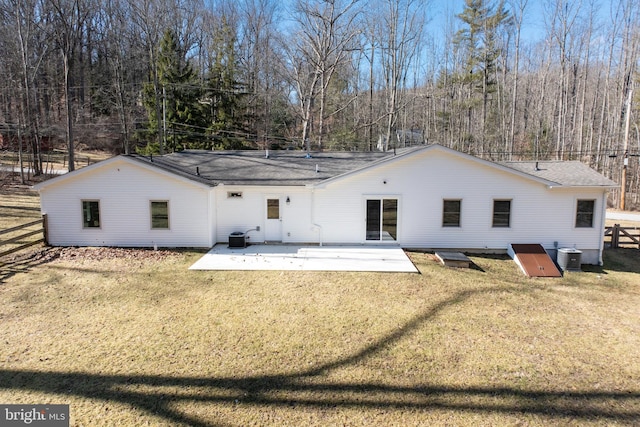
[
  {"x": 45, "y": 229},
  {"x": 615, "y": 236}
]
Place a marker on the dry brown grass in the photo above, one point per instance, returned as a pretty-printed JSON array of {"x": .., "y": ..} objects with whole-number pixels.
[
  {"x": 134, "y": 338},
  {"x": 18, "y": 205},
  {"x": 55, "y": 160},
  {"x": 144, "y": 341}
]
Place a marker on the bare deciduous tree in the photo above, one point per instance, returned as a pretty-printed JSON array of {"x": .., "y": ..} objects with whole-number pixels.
[{"x": 327, "y": 32}]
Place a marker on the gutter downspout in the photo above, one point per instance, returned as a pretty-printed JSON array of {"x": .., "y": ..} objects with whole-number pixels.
[
  {"x": 212, "y": 207},
  {"x": 216, "y": 204},
  {"x": 602, "y": 224},
  {"x": 313, "y": 222}
]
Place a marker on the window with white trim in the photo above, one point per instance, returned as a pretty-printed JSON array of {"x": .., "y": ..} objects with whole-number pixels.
[
  {"x": 502, "y": 213},
  {"x": 584, "y": 213},
  {"x": 90, "y": 214},
  {"x": 451, "y": 212},
  {"x": 159, "y": 214}
]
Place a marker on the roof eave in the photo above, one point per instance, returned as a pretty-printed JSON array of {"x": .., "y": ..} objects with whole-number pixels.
[
  {"x": 173, "y": 172},
  {"x": 600, "y": 187},
  {"x": 121, "y": 158},
  {"x": 390, "y": 158},
  {"x": 70, "y": 175}
]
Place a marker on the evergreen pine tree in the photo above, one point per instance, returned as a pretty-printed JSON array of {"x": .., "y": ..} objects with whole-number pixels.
[
  {"x": 480, "y": 47},
  {"x": 182, "y": 112},
  {"x": 224, "y": 94}
]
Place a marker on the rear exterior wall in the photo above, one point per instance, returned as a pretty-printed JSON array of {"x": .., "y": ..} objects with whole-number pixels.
[{"x": 247, "y": 212}]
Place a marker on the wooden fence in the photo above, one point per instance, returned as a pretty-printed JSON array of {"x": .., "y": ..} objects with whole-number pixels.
[
  {"x": 622, "y": 236},
  {"x": 18, "y": 243}
]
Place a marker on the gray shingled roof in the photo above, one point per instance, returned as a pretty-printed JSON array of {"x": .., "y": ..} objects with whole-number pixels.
[
  {"x": 295, "y": 168},
  {"x": 564, "y": 173},
  {"x": 254, "y": 168}
]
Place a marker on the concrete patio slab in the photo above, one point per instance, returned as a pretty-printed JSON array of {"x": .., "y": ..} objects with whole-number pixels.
[{"x": 306, "y": 258}]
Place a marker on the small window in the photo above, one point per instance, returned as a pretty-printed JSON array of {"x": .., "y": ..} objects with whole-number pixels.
[
  {"x": 584, "y": 213},
  {"x": 501, "y": 213},
  {"x": 90, "y": 214},
  {"x": 159, "y": 214},
  {"x": 234, "y": 194},
  {"x": 273, "y": 208},
  {"x": 451, "y": 213}
]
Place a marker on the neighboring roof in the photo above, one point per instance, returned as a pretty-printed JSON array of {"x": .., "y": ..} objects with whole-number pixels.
[
  {"x": 277, "y": 168},
  {"x": 564, "y": 173}
]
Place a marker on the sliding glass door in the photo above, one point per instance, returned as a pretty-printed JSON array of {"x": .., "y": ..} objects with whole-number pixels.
[{"x": 382, "y": 219}]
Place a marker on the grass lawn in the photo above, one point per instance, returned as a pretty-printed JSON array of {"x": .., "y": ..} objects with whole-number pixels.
[
  {"x": 18, "y": 205},
  {"x": 134, "y": 338},
  {"x": 131, "y": 337}
]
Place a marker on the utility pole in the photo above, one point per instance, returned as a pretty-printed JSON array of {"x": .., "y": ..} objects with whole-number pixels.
[{"x": 625, "y": 150}]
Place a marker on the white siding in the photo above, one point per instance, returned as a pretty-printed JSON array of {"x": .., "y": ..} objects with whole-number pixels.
[
  {"x": 124, "y": 191},
  {"x": 200, "y": 216},
  {"x": 248, "y": 212},
  {"x": 421, "y": 182}
]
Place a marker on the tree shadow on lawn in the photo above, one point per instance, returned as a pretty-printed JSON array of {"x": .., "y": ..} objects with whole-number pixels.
[
  {"x": 311, "y": 389},
  {"x": 619, "y": 259}
]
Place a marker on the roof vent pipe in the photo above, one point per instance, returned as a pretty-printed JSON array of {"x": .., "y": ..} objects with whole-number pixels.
[
  {"x": 317, "y": 168},
  {"x": 198, "y": 170},
  {"x": 266, "y": 154},
  {"x": 537, "y": 167}
]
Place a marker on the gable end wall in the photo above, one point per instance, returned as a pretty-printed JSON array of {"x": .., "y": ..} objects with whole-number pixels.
[{"x": 125, "y": 191}]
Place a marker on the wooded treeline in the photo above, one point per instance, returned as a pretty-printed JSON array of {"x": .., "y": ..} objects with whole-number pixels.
[{"x": 163, "y": 75}]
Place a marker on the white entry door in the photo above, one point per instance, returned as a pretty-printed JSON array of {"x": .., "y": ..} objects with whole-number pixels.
[{"x": 273, "y": 221}]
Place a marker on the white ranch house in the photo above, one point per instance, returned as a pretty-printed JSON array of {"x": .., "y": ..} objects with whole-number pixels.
[{"x": 427, "y": 197}]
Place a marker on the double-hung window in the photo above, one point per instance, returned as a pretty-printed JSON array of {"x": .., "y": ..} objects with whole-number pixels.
[
  {"x": 584, "y": 213},
  {"x": 90, "y": 214},
  {"x": 159, "y": 214},
  {"x": 501, "y": 213},
  {"x": 451, "y": 213}
]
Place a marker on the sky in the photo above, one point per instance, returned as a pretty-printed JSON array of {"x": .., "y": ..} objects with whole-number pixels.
[
  {"x": 441, "y": 20},
  {"x": 533, "y": 29}
]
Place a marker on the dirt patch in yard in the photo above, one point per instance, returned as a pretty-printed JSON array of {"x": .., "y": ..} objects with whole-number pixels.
[
  {"x": 90, "y": 254},
  {"x": 116, "y": 258},
  {"x": 98, "y": 254}
]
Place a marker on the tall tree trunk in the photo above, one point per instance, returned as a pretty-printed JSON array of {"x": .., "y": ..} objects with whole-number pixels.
[
  {"x": 68, "y": 106},
  {"x": 371, "y": 83},
  {"x": 518, "y": 17},
  {"x": 28, "y": 110}
]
